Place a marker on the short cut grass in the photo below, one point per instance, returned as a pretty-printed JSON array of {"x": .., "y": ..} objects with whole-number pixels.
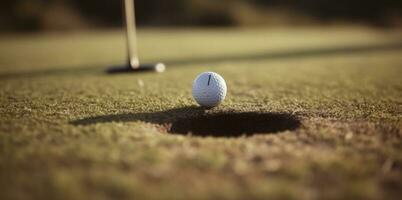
[{"x": 70, "y": 131}]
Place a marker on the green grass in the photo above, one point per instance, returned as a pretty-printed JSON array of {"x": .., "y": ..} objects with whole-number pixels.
[{"x": 70, "y": 131}]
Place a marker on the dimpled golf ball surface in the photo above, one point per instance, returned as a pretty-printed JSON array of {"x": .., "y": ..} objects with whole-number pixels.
[{"x": 209, "y": 89}]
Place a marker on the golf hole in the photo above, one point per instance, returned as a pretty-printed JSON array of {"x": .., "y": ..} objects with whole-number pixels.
[
  {"x": 234, "y": 124},
  {"x": 196, "y": 121}
]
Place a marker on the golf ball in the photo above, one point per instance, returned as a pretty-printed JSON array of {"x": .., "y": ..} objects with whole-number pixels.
[{"x": 209, "y": 89}]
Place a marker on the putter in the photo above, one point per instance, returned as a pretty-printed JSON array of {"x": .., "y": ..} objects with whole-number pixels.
[{"x": 133, "y": 63}]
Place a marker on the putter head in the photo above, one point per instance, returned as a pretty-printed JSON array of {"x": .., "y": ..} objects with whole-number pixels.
[{"x": 158, "y": 67}]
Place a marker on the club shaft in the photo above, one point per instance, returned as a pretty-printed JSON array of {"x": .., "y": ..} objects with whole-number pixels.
[{"x": 131, "y": 33}]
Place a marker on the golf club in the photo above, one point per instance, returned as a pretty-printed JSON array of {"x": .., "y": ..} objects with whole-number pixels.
[{"x": 133, "y": 63}]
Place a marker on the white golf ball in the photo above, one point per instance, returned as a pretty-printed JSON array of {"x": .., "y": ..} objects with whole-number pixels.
[{"x": 209, "y": 89}]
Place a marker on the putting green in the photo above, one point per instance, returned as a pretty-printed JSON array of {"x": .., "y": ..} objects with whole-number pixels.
[{"x": 325, "y": 104}]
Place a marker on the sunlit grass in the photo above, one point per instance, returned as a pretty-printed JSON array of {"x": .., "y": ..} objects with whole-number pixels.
[{"x": 348, "y": 103}]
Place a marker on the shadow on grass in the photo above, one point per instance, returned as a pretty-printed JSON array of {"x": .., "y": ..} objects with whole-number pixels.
[
  {"x": 291, "y": 54},
  {"x": 200, "y": 122},
  {"x": 294, "y": 54},
  {"x": 72, "y": 71}
]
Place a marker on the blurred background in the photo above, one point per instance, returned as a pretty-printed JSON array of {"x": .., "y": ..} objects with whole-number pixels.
[{"x": 53, "y": 15}]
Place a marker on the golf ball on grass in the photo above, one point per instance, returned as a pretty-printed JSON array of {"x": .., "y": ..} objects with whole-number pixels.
[{"x": 209, "y": 89}]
